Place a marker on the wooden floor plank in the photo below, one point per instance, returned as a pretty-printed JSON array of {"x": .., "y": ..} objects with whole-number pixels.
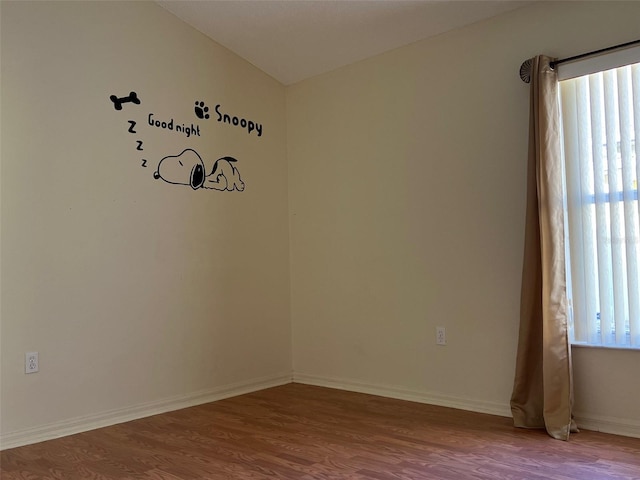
[{"x": 303, "y": 432}]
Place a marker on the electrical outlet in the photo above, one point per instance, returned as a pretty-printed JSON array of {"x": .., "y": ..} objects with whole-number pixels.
[
  {"x": 441, "y": 338},
  {"x": 31, "y": 362}
]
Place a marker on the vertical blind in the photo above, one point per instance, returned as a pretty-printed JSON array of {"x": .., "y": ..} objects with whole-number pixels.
[{"x": 601, "y": 123}]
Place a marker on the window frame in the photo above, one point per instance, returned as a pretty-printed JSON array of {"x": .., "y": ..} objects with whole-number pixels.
[{"x": 569, "y": 71}]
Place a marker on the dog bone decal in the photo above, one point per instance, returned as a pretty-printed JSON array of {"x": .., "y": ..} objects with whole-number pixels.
[{"x": 117, "y": 102}]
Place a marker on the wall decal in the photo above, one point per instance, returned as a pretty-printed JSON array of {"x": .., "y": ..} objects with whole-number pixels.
[
  {"x": 224, "y": 176},
  {"x": 201, "y": 110},
  {"x": 188, "y": 168},
  {"x": 249, "y": 125},
  {"x": 117, "y": 102},
  {"x": 171, "y": 125}
]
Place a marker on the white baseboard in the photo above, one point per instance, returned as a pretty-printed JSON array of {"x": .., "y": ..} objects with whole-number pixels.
[
  {"x": 431, "y": 398},
  {"x": 105, "y": 419},
  {"x": 614, "y": 425}
]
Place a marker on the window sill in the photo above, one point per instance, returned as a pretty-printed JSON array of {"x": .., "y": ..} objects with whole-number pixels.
[{"x": 606, "y": 347}]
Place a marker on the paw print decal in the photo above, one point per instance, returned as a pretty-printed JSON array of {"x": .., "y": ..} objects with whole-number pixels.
[{"x": 201, "y": 110}]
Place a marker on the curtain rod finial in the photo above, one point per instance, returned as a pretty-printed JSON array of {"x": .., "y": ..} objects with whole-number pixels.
[{"x": 525, "y": 70}]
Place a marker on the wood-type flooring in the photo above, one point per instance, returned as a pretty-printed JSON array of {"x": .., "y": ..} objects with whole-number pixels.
[{"x": 304, "y": 432}]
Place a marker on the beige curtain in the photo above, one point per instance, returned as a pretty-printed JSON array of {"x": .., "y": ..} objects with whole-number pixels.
[{"x": 542, "y": 391}]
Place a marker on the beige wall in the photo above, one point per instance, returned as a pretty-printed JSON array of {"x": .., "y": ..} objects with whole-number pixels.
[
  {"x": 406, "y": 181},
  {"x": 137, "y": 294}
]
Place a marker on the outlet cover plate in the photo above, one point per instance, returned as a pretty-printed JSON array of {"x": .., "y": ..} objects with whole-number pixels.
[{"x": 31, "y": 362}]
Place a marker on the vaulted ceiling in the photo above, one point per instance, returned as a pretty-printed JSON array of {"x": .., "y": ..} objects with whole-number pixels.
[{"x": 293, "y": 40}]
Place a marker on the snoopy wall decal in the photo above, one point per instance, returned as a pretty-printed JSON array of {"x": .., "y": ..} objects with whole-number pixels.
[{"x": 188, "y": 168}]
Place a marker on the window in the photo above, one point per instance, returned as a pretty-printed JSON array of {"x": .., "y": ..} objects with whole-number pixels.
[{"x": 601, "y": 131}]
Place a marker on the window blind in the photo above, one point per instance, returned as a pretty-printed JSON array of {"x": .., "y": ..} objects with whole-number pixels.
[{"x": 601, "y": 130}]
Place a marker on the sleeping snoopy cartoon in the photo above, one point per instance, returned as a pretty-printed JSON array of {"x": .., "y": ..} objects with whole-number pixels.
[{"x": 188, "y": 168}]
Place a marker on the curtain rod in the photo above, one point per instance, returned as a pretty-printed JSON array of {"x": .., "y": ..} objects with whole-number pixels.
[
  {"x": 525, "y": 68},
  {"x": 591, "y": 54}
]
